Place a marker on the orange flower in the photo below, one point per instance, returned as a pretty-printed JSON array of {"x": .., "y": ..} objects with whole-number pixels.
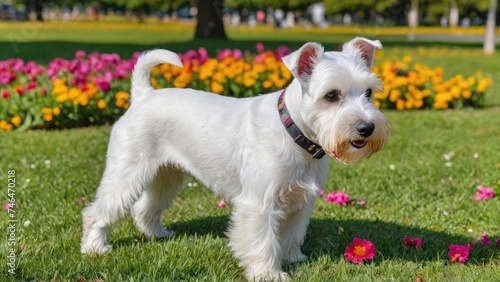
[
  {"x": 16, "y": 120},
  {"x": 216, "y": 87},
  {"x": 101, "y": 104}
]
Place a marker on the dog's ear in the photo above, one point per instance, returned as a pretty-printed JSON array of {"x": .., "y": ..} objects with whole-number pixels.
[
  {"x": 363, "y": 46},
  {"x": 302, "y": 62}
]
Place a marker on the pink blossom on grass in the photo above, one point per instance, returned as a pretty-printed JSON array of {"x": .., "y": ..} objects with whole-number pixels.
[
  {"x": 360, "y": 250},
  {"x": 361, "y": 202},
  {"x": 484, "y": 193},
  {"x": 340, "y": 198},
  {"x": 410, "y": 242},
  {"x": 459, "y": 253},
  {"x": 321, "y": 193},
  {"x": 485, "y": 239},
  {"x": 222, "y": 204}
]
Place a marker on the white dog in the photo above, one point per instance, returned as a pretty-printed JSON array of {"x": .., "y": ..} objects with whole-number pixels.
[{"x": 265, "y": 154}]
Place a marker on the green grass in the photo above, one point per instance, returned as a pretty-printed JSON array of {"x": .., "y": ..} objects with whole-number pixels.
[
  {"x": 420, "y": 197},
  {"x": 57, "y": 172}
]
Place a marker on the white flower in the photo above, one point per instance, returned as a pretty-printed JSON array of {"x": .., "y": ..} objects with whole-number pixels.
[
  {"x": 47, "y": 162},
  {"x": 475, "y": 156},
  {"x": 392, "y": 167},
  {"x": 448, "y": 164},
  {"x": 33, "y": 166},
  {"x": 27, "y": 223}
]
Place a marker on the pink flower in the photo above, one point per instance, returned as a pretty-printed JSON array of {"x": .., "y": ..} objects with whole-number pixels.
[
  {"x": 484, "y": 193},
  {"x": 321, "y": 193},
  {"x": 259, "y": 46},
  {"x": 485, "y": 239},
  {"x": 459, "y": 253},
  {"x": 417, "y": 242},
  {"x": 497, "y": 242},
  {"x": 237, "y": 54},
  {"x": 222, "y": 204},
  {"x": 7, "y": 206},
  {"x": 360, "y": 250},
  {"x": 224, "y": 53},
  {"x": 340, "y": 198},
  {"x": 361, "y": 202}
]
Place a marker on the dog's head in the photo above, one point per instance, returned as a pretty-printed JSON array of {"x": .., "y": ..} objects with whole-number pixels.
[{"x": 336, "y": 103}]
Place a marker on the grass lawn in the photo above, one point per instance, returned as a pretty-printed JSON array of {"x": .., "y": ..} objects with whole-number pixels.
[{"x": 409, "y": 188}]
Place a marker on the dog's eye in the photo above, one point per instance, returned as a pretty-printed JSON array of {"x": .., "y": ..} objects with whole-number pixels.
[
  {"x": 368, "y": 93},
  {"x": 333, "y": 96}
]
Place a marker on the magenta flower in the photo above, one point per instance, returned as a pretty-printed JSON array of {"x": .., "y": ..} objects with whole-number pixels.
[
  {"x": 497, "y": 242},
  {"x": 340, "y": 198},
  {"x": 409, "y": 242},
  {"x": 360, "y": 250},
  {"x": 459, "y": 253},
  {"x": 484, "y": 193},
  {"x": 321, "y": 193},
  {"x": 485, "y": 239},
  {"x": 237, "y": 54},
  {"x": 222, "y": 204},
  {"x": 224, "y": 53},
  {"x": 7, "y": 206},
  {"x": 259, "y": 46}
]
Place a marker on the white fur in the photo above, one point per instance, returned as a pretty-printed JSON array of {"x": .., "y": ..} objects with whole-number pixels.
[{"x": 240, "y": 149}]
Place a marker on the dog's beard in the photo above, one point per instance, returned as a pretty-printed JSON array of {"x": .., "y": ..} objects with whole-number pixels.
[{"x": 344, "y": 145}]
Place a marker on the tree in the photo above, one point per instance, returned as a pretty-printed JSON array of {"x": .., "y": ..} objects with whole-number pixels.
[
  {"x": 489, "y": 38},
  {"x": 209, "y": 22}
]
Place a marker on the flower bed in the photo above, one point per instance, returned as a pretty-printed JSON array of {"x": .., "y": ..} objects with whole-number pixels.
[{"x": 93, "y": 89}]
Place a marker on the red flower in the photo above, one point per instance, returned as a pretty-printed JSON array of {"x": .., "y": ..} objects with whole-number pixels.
[
  {"x": 459, "y": 253},
  {"x": 19, "y": 89},
  {"x": 360, "y": 250},
  {"x": 222, "y": 204},
  {"x": 5, "y": 94},
  {"x": 31, "y": 85},
  {"x": 417, "y": 242}
]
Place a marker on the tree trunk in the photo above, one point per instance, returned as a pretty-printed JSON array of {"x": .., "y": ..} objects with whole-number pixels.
[
  {"x": 38, "y": 4},
  {"x": 454, "y": 15},
  {"x": 209, "y": 22},
  {"x": 489, "y": 37}
]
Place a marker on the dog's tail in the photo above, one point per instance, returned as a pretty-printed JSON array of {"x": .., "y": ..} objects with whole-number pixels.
[{"x": 141, "y": 74}]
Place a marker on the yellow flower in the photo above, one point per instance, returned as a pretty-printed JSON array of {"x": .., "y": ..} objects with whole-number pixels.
[
  {"x": 216, "y": 87},
  {"x": 394, "y": 95},
  {"x": 418, "y": 103},
  {"x": 119, "y": 103},
  {"x": 56, "y": 111},
  {"x": 466, "y": 94},
  {"x": 101, "y": 104},
  {"x": 62, "y": 98},
  {"x": 267, "y": 83},
  {"x": 280, "y": 83},
  {"x": 407, "y": 59},
  {"x": 46, "y": 111},
  {"x": 16, "y": 120},
  {"x": 122, "y": 95},
  {"x": 400, "y": 105},
  {"x": 377, "y": 103},
  {"x": 47, "y": 117},
  {"x": 59, "y": 89},
  {"x": 83, "y": 100},
  {"x": 248, "y": 82},
  {"x": 59, "y": 82}
]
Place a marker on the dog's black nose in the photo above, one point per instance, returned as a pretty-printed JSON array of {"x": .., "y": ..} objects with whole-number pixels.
[{"x": 365, "y": 129}]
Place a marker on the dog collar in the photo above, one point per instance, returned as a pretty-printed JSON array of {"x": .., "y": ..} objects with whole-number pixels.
[{"x": 294, "y": 131}]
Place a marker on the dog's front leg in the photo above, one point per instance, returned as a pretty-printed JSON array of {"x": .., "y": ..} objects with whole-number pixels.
[
  {"x": 293, "y": 231},
  {"x": 254, "y": 237}
]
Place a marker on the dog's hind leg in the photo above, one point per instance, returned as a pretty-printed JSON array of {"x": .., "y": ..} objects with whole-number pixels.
[
  {"x": 121, "y": 185},
  {"x": 156, "y": 197}
]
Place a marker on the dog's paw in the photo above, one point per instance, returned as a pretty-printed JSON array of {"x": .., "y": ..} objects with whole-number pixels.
[
  {"x": 99, "y": 250},
  {"x": 271, "y": 276},
  {"x": 161, "y": 232},
  {"x": 295, "y": 256}
]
